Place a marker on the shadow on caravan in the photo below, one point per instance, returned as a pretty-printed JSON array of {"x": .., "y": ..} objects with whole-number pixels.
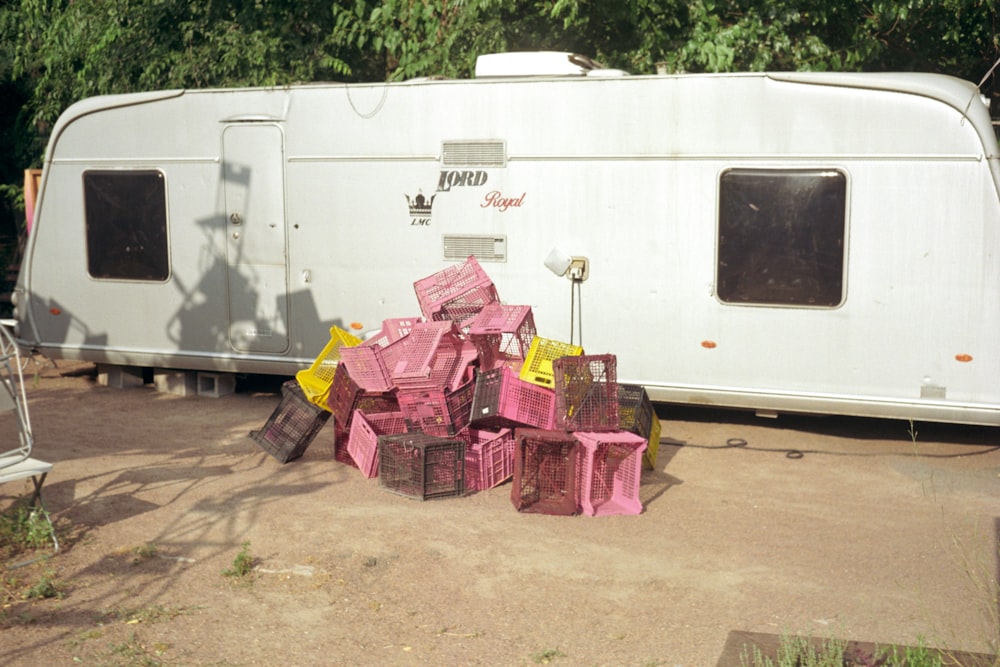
[{"x": 804, "y": 242}]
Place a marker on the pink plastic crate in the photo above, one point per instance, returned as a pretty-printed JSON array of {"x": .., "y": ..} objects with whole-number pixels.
[
  {"x": 502, "y": 400},
  {"x": 586, "y": 389},
  {"x": 489, "y": 458},
  {"x": 608, "y": 473},
  {"x": 367, "y": 367},
  {"x": 466, "y": 306},
  {"x": 392, "y": 330},
  {"x": 456, "y": 293},
  {"x": 433, "y": 356},
  {"x": 419, "y": 350},
  {"x": 362, "y": 443},
  {"x": 502, "y": 335}
]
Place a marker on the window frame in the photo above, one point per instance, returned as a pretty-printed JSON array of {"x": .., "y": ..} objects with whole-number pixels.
[
  {"x": 105, "y": 260},
  {"x": 843, "y": 193}
]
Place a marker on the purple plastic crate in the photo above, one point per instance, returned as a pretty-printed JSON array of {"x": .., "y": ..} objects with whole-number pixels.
[
  {"x": 586, "y": 389},
  {"x": 545, "y": 475},
  {"x": 292, "y": 426},
  {"x": 421, "y": 466}
]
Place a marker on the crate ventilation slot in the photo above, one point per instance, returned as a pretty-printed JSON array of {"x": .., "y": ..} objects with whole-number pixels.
[
  {"x": 474, "y": 154},
  {"x": 457, "y": 248}
]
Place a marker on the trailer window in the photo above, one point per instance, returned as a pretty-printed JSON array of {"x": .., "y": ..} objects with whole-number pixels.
[
  {"x": 126, "y": 218},
  {"x": 781, "y": 237}
]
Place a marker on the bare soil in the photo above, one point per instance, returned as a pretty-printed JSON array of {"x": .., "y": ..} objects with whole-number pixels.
[{"x": 816, "y": 526}]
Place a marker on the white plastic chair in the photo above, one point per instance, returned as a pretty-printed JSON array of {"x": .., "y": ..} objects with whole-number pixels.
[{"x": 17, "y": 463}]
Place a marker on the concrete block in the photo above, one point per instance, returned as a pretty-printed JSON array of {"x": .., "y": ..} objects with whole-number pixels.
[
  {"x": 119, "y": 377},
  {"x": 215, "y": 385},
  {"x": 181, "y": 383}
]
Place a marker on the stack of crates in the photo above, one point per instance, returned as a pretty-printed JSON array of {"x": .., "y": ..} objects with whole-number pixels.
[
  {"x": 468, "y": 396},
  {"x": 292, "y": 426},
  {"x": 421, "y": 466}
]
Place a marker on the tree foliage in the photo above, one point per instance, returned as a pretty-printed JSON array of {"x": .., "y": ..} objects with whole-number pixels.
[{"x": 54, "y": 52}]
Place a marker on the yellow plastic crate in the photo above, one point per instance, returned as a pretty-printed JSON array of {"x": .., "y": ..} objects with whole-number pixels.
[
  {"x": 537, "y": 368},
  {"x": 649, "y": 456},
  {"x": 316, "y": 380}
]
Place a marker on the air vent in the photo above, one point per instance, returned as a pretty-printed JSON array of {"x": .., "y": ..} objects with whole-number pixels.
[
  {"x": 474, "y": 154},
  {"x": 457, "y": 248}
]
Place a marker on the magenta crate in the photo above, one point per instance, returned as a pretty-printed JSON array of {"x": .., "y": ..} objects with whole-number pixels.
[
  {"x": 586, "y": 389},
  {"x": 426, "y": 411},
  {"x": 340, "y": 453},
  {"x": 292, "y": 426},
  {"x": 362, "y": 443},
  {"x": 502, "y": 335},
  {"x": 437, "y": 411},
  {"x": 545, "y": 472},
  {"x": 456, "y": 293},
  {"x": 346, "y": 396},
  {"x": 609, "y": 473},
  {"x": 502, "y": 400},
  {"x": 489, "y": 458},
  {"x": 421, "y": 466}
]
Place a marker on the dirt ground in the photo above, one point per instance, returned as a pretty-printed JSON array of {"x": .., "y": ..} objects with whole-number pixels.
[{"x": 821, "y": 526}]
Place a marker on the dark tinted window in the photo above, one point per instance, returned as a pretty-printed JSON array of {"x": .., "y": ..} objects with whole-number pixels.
[
  {"x": 781, "y": 237},
  {"x": 126, "y": 225}
]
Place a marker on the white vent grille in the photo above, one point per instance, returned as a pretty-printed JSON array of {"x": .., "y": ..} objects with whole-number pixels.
[
  {"x": 457, "y": 248},
  {"x": 474, "y": 154}
]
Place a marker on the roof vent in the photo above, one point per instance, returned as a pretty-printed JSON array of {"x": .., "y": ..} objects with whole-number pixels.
[{"x": 538, "y": 63}]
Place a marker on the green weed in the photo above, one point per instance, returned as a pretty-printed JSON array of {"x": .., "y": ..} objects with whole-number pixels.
[
  {"x": 243, "y": 563},
  {"x": 46, "y": 588},
  {"x": 547, "y": 656},
  {"x": 24, "y": 527}
]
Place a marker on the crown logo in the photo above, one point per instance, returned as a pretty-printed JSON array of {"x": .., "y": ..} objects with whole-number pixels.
[{"x": 420, "y": 206}]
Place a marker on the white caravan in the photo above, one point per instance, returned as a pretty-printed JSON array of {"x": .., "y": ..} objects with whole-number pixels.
[{"x": 821, "y": 243}]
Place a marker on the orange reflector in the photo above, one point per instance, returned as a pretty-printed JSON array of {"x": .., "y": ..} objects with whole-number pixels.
[
  {"x": 708, "y": 344},
  {"x": 964, "y": 358},
  {"x": 55, "y": 311},
  {"x": 357, "y": 326}
]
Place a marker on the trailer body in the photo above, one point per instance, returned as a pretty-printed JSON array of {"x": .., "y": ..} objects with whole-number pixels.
[{"x": 821, "y": 243}]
